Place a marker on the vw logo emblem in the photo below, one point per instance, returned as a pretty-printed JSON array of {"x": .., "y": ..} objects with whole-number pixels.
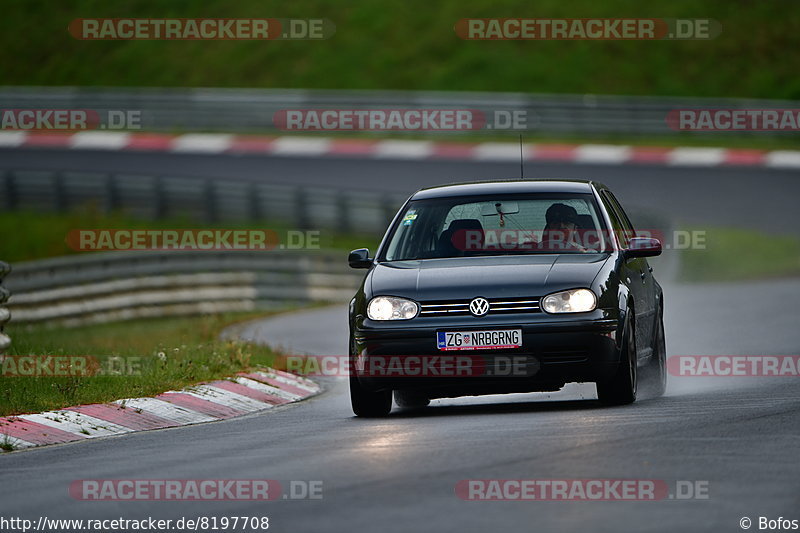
[{"x": 479, "y": 306}]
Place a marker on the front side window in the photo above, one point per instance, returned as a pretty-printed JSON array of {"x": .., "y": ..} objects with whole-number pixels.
[
  {"x": 501, "y": 225},
  {"x": 622, "y": 225}
]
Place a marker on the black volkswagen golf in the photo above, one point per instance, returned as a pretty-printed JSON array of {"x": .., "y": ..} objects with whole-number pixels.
[{"x": 506, "y": 286}]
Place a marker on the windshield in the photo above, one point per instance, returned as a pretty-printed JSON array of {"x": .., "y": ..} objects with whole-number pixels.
[{"x": 497, "y": 225}]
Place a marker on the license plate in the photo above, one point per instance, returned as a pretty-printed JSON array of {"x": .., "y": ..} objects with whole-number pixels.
[{"x": 495, "y": 339}]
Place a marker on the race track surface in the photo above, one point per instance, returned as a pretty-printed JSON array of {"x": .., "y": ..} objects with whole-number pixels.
[{"x": 398, "y": 474}]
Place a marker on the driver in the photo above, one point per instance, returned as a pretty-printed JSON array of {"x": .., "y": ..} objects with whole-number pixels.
[{"x": 561, "y": 228}]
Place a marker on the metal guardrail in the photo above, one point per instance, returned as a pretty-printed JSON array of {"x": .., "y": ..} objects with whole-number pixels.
[
  {"x": 248, "y": 110},
  {"x": 5, "y": 315},
  {"x": 121, "y": 285},
  {"x": 212, "y": 200},
  {"x": 102, "y": 287},
  {"x": 110, "y": 286}
]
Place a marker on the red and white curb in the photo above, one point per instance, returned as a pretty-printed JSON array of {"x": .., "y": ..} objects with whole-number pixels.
[
  {"x": 207, "y": 402},
  {"x": 208, "y": 143}
]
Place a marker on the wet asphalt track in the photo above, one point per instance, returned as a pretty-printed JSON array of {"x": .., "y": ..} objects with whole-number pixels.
[{"x": 399, "y": 473}]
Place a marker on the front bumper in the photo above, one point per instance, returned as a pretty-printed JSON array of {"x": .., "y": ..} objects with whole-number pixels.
[{"x": 555, "y": 350}]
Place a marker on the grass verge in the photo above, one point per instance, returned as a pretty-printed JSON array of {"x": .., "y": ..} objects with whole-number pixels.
[
  {"x": 736, "y": 254},
  {"x": 44, "y": 234},
  {"x": 151, "y": 356}
]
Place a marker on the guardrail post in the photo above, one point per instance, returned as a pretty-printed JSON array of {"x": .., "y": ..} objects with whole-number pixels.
[
  {"x": 254, "y": 202},
  {"x": 5, "y": 314},
  {"x": 343, "y": 212},
  {"x": 59, "y": 193},
  {"x": 112, "y": 194},
  {"x": 159, "y": 198},
  {"x": 301, "y": 208},
  {"x": 388, "y": 209},
  {"x": 10, "y": 188},
  {"x": 210, "y": 200}
]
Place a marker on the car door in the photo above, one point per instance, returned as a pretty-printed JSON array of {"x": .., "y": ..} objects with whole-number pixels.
[{"x": 635, "y": 273}]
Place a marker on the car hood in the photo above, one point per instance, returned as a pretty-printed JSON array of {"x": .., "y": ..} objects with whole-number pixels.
[{"x": 490, "y": 276}]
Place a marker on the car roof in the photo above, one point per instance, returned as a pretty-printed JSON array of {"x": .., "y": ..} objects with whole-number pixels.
[{"x": 507, "y": 186}]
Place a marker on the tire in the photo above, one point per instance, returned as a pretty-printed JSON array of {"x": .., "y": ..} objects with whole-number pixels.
[
  {"x": 621, "y": 388},
  {"x": 366, "y": 403},
  {"x": 369, "y": 404},
  {"x": 654, "y": 382},
  {"x": 411, "y": 400}
]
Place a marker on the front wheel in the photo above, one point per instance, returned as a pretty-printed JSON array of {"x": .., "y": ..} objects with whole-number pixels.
[
  {"x": 366, "y": 403},
  {"x": 621, "y": 388},
  {"x": 655, "y": 373}
]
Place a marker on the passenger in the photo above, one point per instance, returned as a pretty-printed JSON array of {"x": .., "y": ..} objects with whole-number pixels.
[{"x": 560, "y": 231}]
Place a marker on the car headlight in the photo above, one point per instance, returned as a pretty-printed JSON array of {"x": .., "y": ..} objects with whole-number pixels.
[
  {"x": 391, "y": 308},
  {"x": 571, "y": 301}
]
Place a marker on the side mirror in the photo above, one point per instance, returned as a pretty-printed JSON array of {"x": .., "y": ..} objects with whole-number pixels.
[
  {"x": 359, "y": 258},
  {"x": 642, "y": 247}
]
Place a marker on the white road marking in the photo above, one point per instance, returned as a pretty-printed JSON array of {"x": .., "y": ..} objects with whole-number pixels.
[
  {"x": 227, "y": 398},
  {"x": 304, "y": 384},
  {"x": 100, "y": 140},
  {"x": 602, "y": 153},
  {"x": 696, "y": 156},
  {"x": 300, "y": 146},
  {"x": 77, "y": 423},
  {"x": 403, "y": 149},
  {"x": 783, "y": 159},
  {"x": 12, "y": 138},
  {"x": 166, "y": 410},
  {"x": 211, "y": 143},
  {"x": 496, "y": 152},
  {"x": 267, "y": 389}
]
